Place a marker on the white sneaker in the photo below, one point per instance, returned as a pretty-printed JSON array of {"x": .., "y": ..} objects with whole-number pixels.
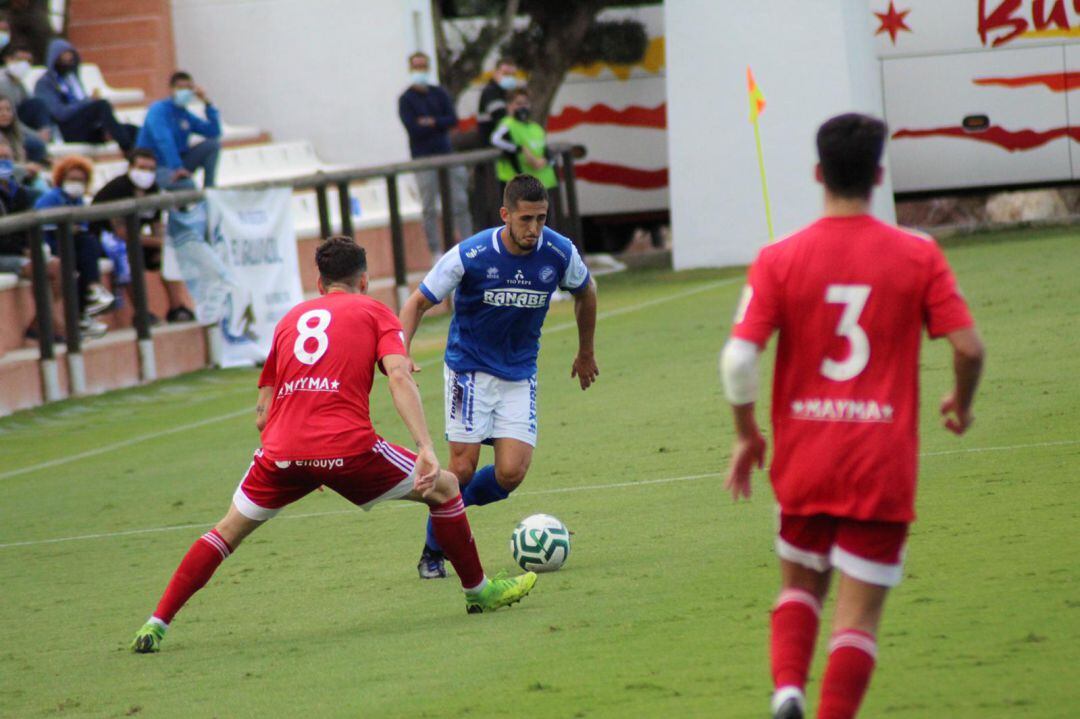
[
  {"x": 92, "y": 329},
  {"x": 788, "y": 703},
  {"x": 99, "y": 300}
]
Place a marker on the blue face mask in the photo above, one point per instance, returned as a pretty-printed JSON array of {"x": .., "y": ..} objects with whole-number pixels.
[
  {"x": 508, "y": 82},
  {"x": 5, "y": 38},
  {"x": 419, "y": 77},
  {"x": 7, "y": 169},
  {"x": 183, "y": 96}
]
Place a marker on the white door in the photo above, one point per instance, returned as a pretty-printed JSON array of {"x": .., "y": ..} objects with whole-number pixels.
[{"x": 977, "y": 119}]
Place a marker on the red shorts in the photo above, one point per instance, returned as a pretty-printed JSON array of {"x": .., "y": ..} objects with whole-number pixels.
[
  {"x": 384, "y": 472},
  {"x": 872, "y": 552}
]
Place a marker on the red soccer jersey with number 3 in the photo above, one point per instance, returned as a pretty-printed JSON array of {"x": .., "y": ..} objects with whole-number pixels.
[
  {"x": 849, "y": 296},
  {"x": 321, "y": 366}
]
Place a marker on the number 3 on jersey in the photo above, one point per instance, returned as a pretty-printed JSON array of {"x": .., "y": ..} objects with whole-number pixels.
[
  {"x": 853, "y": 298},
  {"x": 309, "y": 331}
]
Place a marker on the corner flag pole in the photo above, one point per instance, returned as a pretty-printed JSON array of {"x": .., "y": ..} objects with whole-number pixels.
[{"x": 757, "y": 105}]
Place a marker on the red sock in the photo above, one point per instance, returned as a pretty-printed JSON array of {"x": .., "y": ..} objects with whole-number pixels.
[
  {"x": 794, "y": 631},
  {"x": 851, "y": 662},
  {"x": 195, "y": 570},
  {"x": 452, "y": 530}
]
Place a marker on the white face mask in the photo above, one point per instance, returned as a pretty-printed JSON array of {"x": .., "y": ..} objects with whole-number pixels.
[
  {"x": 143, "y": 179},
  {"x": 19, "y": 68},
  {"x": 74, "y": 189}
]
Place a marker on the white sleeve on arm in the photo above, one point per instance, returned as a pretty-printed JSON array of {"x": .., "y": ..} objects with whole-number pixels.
[
  {"x": 739, "y": 370},
  {"x": 577, "y": 274},
  {"x": 444, "y": 277},
  {"x": 500, "y": 139}
]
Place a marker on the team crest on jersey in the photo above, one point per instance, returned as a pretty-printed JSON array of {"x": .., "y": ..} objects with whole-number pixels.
[
  {"x": 547, "y": 274},
  {"x": 493, "y": 273}
]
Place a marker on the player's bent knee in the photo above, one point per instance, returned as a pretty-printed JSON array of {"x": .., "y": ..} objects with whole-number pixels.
[
  {"x": 510, "y": 477},
  {"x": 445, "y": 489}
]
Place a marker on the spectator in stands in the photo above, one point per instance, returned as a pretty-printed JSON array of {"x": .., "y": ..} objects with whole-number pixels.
[
  {"x": 524, "y": 145},
  {"x": 428, "y": 115},
  {"x": 71, "y": 177},
  {"x": 5, "y": 32},
  {"x": 139, "y": 181},
  {"x": 493, "y": 98},
  {"x": 81, "y": 116},
  {"x": 33, "y": 113},
  {"x": 168, "y": 128},
  {"x": 15, "y": 247},
  {"x": 27, "y": 169}
]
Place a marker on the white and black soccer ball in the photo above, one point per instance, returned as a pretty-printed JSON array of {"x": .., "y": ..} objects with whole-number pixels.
[{"x": 540, "y": 543}]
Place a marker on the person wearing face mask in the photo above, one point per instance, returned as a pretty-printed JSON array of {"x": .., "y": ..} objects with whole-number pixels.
[
  {"x": 139, "y": 181},
  {"x": 524, "y": 145},
  {"x": 81, "y": 116},
  {"x": 15, "y": 247},
  {"x": 71, "y": 177},
  {"x": 428, "y": 115},
  {"x": 493, "y": 98},
  {"x": 32, "y": 112},
  {"x": 168, "y": 128},
  {"x": 28, "y": 168}
]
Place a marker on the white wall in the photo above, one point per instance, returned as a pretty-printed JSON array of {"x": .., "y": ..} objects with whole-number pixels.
[
  {"x": 812, "y": 59},
  {"x": 326, "y": 70}
]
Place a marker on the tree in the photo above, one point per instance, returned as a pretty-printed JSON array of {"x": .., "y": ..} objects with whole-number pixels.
[{"x": 559, "y": 36}]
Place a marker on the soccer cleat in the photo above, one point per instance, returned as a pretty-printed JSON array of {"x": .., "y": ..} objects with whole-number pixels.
[
  {"x": 788, "y": 703},
  {"x": 500, "y": 592},
  {"x": 148, "y": 639},
  {"x": 432, "y": 564}
]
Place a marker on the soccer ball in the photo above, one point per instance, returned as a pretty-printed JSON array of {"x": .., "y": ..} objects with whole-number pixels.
[{"x": 540, "y": 543}]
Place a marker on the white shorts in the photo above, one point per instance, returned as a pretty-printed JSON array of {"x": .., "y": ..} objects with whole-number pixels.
[{"x": 481, "y": 408}]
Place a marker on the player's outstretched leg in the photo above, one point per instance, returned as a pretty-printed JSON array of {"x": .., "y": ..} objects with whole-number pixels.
[
  {"x": 451, "y": 527},
  {"x": 492, "y": 483},
  {"x": 195, "y": 570},
  {"x": 852, "y": 649}
]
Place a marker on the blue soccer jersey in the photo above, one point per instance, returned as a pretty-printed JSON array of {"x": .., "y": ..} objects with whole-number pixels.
[{"x": 500, "y": 299}]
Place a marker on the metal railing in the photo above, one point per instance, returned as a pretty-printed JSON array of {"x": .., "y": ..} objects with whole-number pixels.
[{"x": 65, "y": 218}]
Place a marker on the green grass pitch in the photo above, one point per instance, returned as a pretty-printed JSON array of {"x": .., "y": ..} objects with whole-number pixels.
[{"x": 662, "y": 609}]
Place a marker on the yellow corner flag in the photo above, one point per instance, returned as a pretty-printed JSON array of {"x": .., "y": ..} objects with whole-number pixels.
[
  {"x": 757, "y": 105},
  {"x": 757, "y": 99}
]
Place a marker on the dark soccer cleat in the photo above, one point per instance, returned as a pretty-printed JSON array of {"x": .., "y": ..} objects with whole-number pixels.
[
  {"x": 788, "y": 703},
  {"x": 432, "y": 564}
]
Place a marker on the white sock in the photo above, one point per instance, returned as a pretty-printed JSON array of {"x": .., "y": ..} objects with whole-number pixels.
[
  {"x": 474, "y": 591},
  {"x": 782, "y": 694}
]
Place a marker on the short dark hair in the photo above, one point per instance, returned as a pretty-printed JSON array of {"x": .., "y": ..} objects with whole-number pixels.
[
  {"x": 517, "y": 91},
  {"x": 179, "y": 76},
  {"x": 142, "y": 152},
  {"x": 419, "y": 53},
  {"x": 505, "y": 60},
  {"x": 523, "y": 187},
  {"x": 849, "y": 148},
  {"x": 340, "y": 260}
]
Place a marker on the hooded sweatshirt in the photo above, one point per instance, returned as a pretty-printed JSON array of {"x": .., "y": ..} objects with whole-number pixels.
[{"x": 62, "y": 94}]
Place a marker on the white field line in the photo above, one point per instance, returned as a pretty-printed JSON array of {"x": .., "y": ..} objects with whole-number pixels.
[
  {"x": 556, "y": 490},
  {"x": 250, "y": 410}
]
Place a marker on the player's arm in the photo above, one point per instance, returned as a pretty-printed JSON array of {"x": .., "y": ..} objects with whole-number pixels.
[
  {"x": 739, "y": 370},
  {"x": 585, "y": 367},
  {"x": 262, "y": 408},
  {"x": 412, "y": 312},
  {"x": 968, "y": 355},
  {"x": 407, "y": 402}
]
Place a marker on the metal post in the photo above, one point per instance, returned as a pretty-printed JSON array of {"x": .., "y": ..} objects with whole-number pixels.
[
  {"x": 147, "y": 362},
  {"x": 345, "y": 202},
  {"x": 556, "y": 207},
  {"x": 50, "y": 375},
  {"x": 572, "y": 200},
  {"x": 397, "y": 240},
  {"x": 494, "y": 187},
  {"x": 325, "y": 230},
  {"x": 447, "y": 212},
  {"x": 76, "y": 370}
]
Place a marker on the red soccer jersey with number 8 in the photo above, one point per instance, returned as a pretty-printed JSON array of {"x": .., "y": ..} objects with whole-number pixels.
[
  {"x": 321, "y": 366},
  {"x": 849, "y": 296}
]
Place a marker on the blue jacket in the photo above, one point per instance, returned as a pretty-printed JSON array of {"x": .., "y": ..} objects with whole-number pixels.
[
  {"x": 56, "y": 91},
  {"x": 56, "y": 197},
  {"x": 168, "y": 128},
  {"x": 414, "y": 104}
]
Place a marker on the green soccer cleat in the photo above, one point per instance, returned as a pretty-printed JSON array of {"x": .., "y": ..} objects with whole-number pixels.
[
  {"x": 148, "y": 639},
  {"x": 500, "y": 592}
]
